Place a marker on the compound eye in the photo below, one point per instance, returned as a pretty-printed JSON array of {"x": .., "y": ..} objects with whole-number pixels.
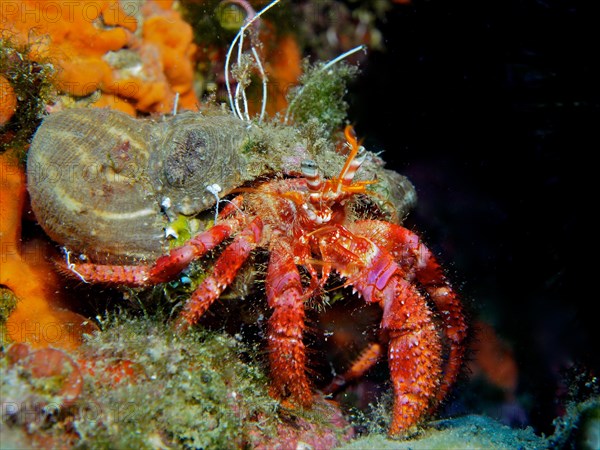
[
  {"x": 309, "y": 168},
  {"x": 361, "y": 154},
  {"x": 186, "y": 159}
]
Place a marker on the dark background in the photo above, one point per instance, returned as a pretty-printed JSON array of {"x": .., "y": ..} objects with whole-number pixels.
[{"x": 491, "y": 109}]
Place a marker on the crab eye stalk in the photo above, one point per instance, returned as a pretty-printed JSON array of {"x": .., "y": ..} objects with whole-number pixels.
[
  {"x": 362, "y": 153},
  {"x": 353, "y": 166},
  {"x": 310, "y": 171},
  {"x": 309, "y": 168}
]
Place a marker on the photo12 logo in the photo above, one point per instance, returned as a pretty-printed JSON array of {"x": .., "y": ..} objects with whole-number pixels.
[{"x": 70, "y": 11}]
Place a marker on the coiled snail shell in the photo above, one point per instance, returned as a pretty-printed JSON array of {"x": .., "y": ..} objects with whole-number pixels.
[{"x": 104, "y": 183}]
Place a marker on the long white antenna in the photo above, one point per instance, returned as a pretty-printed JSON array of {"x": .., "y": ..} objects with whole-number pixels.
[
  {"x": 264, "y": 85},
  {"x": 239, "y": 37}
]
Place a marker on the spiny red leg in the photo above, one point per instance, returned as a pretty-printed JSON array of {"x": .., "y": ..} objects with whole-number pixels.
[
  {"x": 170, "y": 265},
  {"x": 363, "y": 363},
  {"x": 419, "y": 262},
  {"x": 225, "y": 269},
  {"x": 166, "y": 268},
  {"x": 287, "y": 356},
  {"x": 414, "y": 351},
  {"x": 133, "y": 276},
  {"x": 303, "y": 254},
  {"x": 449, "y": 307}
]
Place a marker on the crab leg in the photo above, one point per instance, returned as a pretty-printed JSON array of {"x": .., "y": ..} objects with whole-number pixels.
[
  {"x": 419, "y": 263},
  {"x": 287, "y": 355},
  {"x": 414, "y": 351},
  {"x": 166, "y": 268},
  {"x": 133, "y": 276},
  {"x": 431, "y": 277},
  {"x": 361, "y": 365},
  {"x": 225, "y": 269}
]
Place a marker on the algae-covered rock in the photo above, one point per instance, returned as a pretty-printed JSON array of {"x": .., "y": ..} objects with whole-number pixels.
[
  {"x": 190, "y": 390},
  {"x": 465, "y": 432},
  {"x": 579, "y": 427},
  {"x": 147, "y": 386}
]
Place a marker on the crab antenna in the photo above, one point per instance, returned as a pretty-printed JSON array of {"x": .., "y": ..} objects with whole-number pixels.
[
  {"x": 263, "y": 75},
  {"x": 355, "y": 159},
  {"x": 239, "y": 37},
  {"x": 344, "y": 55}
]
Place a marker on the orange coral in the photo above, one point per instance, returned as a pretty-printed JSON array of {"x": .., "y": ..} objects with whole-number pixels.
[
  {"x": 38, "y": 318},
  {"x": 140, "y": 57},
  {"x": 48, "y": 363},
  {"x": 284, "y": 70},
  {"x": 8, "y": 101}
]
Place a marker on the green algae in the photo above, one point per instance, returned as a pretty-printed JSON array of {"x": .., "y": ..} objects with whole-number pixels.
[
  {"x": 8, "y": 303},
  {"x": 32, "y": 81},
  {"x": 194, "y": 388},
  {"x": 320, "y": 95}
]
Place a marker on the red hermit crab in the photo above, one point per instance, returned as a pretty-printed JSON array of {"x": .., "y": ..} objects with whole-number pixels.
[
  {"x": 309, "y": 221},
  {"x": 117, "y": 184}
]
